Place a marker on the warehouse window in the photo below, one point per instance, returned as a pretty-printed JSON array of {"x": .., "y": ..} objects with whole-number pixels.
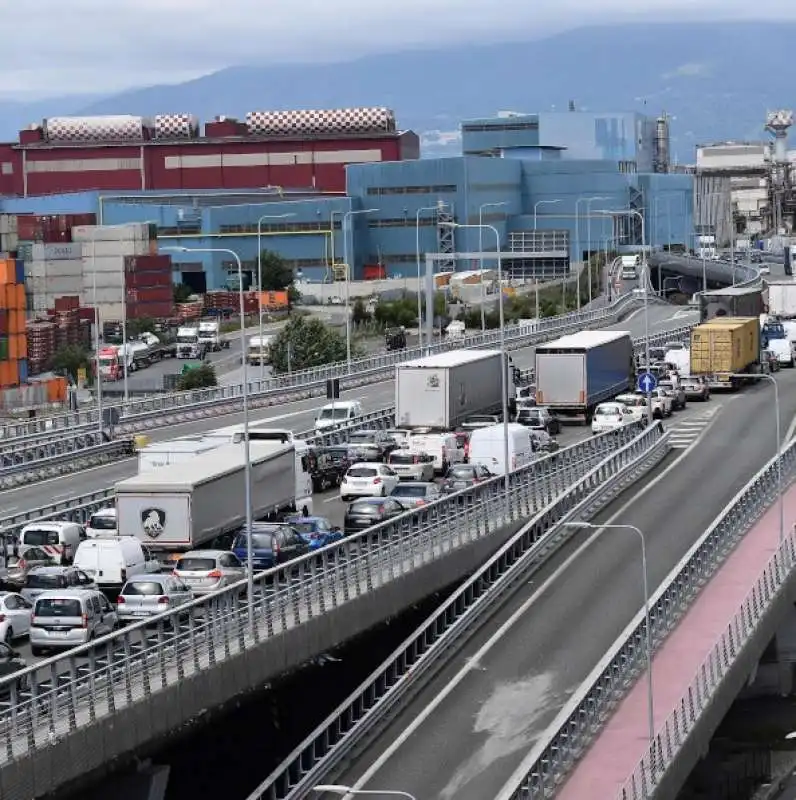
[
  {"x": 383, "y": 190},
  {"x": 316, "y": 226},
  {"x": 503, "y": 126},
  {"x": 394, "y": 258},
  {"x": 402, "y": 222},
  {"x": 191, "y": 229},
  {"x": 7, "y": 168}
]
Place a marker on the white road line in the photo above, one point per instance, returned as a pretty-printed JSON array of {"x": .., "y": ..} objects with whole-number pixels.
[{"x": 475, "y": 660}]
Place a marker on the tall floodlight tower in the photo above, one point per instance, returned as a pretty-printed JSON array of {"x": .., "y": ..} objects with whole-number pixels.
[{"x": 780, "y": 187}]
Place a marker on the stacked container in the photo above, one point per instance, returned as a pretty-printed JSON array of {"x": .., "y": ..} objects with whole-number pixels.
[
  {"x": 149, "y": 287},
  {"x": 13, "y": 342},
  {"x": 230, "y": 301},
  {"x": 51, "y": 228},
  {"x": 9, "y": 238},
  {"x": 41, "y": 345},
  {"x": 52, "y": 271}
]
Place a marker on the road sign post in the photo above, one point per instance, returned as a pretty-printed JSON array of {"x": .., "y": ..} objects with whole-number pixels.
[{"x": 647, "y": 383}]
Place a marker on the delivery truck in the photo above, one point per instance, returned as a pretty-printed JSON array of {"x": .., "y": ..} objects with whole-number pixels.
[
  {"x": 176, "y": 451},
  {"x": 734, "y": 301},
  {"x": 782, "y": 299},
  {"x": 578, "y": 371},
  {"x": 726, "y": 350},
  {"x": 440, "y": 391},
  {"x": 189, "y": 504}
]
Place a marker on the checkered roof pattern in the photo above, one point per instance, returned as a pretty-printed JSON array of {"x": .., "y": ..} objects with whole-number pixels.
[
  {"x": 176, "y": 126},
  {"x": 94, "y": 129},
  {"x": 341, "y": 120}
]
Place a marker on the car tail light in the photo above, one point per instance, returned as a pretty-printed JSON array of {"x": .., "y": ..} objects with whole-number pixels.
[
  {"x": 376, "y": 481},
  {"x": 21, "y": 564},
  {"x": 163, "y": 600},
  {"x": 216, "y": 573},
  {"x": 120, "y": 601},
  {"x": 2, "y": 617},
  {"x": 175, "y": 573},
  {"x": 444, "y": 452},
  {"x": 85, "y": 620}
]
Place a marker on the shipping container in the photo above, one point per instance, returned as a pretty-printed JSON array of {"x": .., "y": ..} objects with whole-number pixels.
[
  {"x": 157, "y": 294},
  {"x": 67, "y": 303},
  {"x": 374, "y": 272},
  {"x": 141, "y": 231},
  {"x": 4, "y": 348},
  {"x": 272, "y": 300},
  {"x": 733, "y": 301},
  {"x": 146, "y": 280},
  {"x": 16, "y": 321},
  {"x": 19, "y": 296},
  {"x": 56, "y": 390},
  {"x": 56, "y": 252},
  {"x": 724, "y": 347},
  {"x": 157, "y": 310},
  {"x": 20, "y": 270},
  {"x": 3, "y": 322},
  {"x": 115, "y": 248},
  {"x": 147, "y": 263},
  {"x": 8, "y": 271},
  {"x": 22, "y": 369},
  {"x": 8, "y": 374}
]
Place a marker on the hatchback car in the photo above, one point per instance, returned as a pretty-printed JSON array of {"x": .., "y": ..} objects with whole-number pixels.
[
  {"x": 476, "y": 421},
  {"x": 205, "y": 571},
  {"x": 696, "y": 388},
  {"x": 463, "y": 476},
  {"x": 67, "y": 618},
  {"x": 370, "y": 511},
  {"x": 414, "y": 494},
  {"x": 676, "y": 392},
  {"x": 539, "y": 418},
  {"x": 612, "y": 417},
  {"x": 45, "y": 579},
  {"x": 411, "y": 466},
  {"x": 149, "y": 595},
  {"x": 370, "y": 445},
  {"x": 17, "y": 569},
  {"x": 272, "y": 544},
  {"x": 317, "y": 532},
  {"x": 15, "y": 616},
  {"x": 367, "y": 480}
]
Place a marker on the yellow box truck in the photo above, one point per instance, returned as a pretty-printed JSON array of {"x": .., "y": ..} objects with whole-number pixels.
[{"x": 725, "y": 348}]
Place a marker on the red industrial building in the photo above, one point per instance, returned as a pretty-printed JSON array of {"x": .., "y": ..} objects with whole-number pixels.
[{"x": 291, "y": 149}]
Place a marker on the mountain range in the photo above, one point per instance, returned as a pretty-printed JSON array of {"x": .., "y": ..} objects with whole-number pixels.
[{"x": 716, "y": 81}]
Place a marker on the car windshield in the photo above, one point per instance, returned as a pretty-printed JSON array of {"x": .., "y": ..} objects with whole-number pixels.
[
  {"x": 362, "y": 437},
  {"x": 102, "y": 522},
  {"x": 409, "y": 491},
  {"x": 333, "y": 413},
  {"x": 40, "y": 537},
  {"x": 46, "y": 580},
  {"x": 462, "y": 471},
  {"x": 196, "y": 564},
  {"x": 362, "y": 472},
  {"x": 315, "y": 526},
  {"x": 147, "y": 588},
  {"x": 58, "y": 607}
]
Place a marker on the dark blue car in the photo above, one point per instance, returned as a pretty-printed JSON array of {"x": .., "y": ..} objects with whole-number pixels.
[
  {"x": 272, "y": 544},
  {"x": 317, "y": 532}
]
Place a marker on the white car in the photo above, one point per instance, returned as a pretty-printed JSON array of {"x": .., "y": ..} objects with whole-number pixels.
[
  {"x": 611, "y": 417},
  {"x": 636, "y": 403},
  {"x": 15, "y": 616},
  {"x": 662, "y": 404},
  {"x": 367, "y": 479}
]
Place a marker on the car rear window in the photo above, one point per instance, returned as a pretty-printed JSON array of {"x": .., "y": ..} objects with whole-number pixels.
[
  {"x": 34, "y": 537},
  {"x": 196, "y": 564},
  {"x": 58, "y": 607},
  {"x": 102, "y": 522},
  {"x": 403, "y": 458},
  {"x": 146, "y": 588},
  {"x": 51, "y": 581},
  {"x": 409, "y": 491},
  {"x": 362, "y": 472},
  {"x": 462, "y": 471},
  {"x": 364, "y": 507}
]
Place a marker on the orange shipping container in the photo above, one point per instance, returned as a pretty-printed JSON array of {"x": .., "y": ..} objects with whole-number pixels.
[
  {"x": 8, "y": 374},
  {"x": 17, "y": 346},
  {"x": 7, "y": 296},
  {"x": 56, "y": 390},
  {"x": 20, "y": 302},
  {"x": 8, "y": 271},
  {"x": 16, "y": 322},
  {"x": 273, "y": 299}
]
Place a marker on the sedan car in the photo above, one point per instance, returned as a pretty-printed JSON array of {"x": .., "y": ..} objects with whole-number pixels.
[
  {"x": 539, "y": 418},
  {"x": 463, "y": 476},
  {"x": 367, "y": 480},
  {"x": 611, "y": 417},
  {"x": 149, "y": 595},
  {"x": 17, "y": 569},
  {"x": 317, "y": 532},
  {"x": 411, "y": 466},
  {"x": 370, "y": 445},
  {"x": 370, "y": 511},
  {"x": 205, "y": 571},
  {"x": 15, "y": 615},
  {"x": 272, "y": 544},
  {"x": 676, "y": 392},
  {"x": 45, "y": 579},
  {"x": 414, "y": 494},
  {"x": 695, "y": 388}
]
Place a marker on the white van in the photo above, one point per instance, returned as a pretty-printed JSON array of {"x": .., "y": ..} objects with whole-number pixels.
[
  {"x": 110, "y": 562},
  {"x": 58, "y": 539},
  {"x": 338, "y": 413},
  {"x": 442, "y": 447},
  {"x": 486, "y": 448},
  {"x": 102, "y": 523}
]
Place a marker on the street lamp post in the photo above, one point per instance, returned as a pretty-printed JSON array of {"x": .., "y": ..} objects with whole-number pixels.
[
  {"x": 260, "y": 280},
  {"x": 503, "y": 371},
  {"x": 588, "y": 241},
  {"x": 647, "y": 618},
  {"x": 97, "y": 375},
  {"x": 246, "y": 444},
  {"x": 481, "y": 251},
  {"x": 536, "y": 277},
  {"x": 420, "y": 273},
  {"x": 333, "y": 788},
  {"x": 346, "y": 216}
]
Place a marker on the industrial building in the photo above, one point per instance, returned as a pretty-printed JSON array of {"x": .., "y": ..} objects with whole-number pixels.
[{"x": 545, "y": 182}]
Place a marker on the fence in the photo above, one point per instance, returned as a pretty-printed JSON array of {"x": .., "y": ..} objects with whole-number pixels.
[
  {"x": 402, "y": 673},
  {"x": 123, "y": 668},
  {"x": 581, "y": 721}
]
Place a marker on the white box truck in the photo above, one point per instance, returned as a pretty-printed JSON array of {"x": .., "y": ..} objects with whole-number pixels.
[
  {"x": 782, "y": 299},
  {"x": 580, "y": 370},
  {"x": 439, "y": 391},
  {"x": 188, "y": 504}
]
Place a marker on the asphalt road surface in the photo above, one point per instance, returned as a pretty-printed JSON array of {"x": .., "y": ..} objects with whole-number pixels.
[{"x": 469, "y": 729}]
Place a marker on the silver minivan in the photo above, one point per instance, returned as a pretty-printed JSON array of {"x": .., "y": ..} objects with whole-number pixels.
[{"x": 70, "y": 617}]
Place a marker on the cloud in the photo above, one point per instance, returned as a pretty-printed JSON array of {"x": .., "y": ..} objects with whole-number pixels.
[
  {"x": 688, "y": 71},
  {"x": 90, "y": 46}
]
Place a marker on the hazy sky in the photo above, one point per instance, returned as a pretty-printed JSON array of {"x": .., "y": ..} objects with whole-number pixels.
[{"x": 87, "y": 46}]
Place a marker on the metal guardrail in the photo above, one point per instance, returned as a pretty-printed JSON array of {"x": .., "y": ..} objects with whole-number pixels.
[
  {"x": 73, "y": 461},
  {"x": 33, "y": 448},
  {"x": 582, "y": 719},
  {"x": 347, "y": 727},
  {"x": 185, "y": 406},
  {"x": 94, "y": 680}
]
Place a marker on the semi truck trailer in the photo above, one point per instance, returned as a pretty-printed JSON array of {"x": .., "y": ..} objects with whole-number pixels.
[{"x": 726, "y": 351}]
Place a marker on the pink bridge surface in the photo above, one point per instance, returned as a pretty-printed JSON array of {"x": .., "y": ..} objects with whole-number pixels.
[{"x": 606, "y": 766}]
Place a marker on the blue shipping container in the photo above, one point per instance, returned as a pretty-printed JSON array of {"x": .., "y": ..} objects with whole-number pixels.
[
  {"x": 22, "y": 366},
  {"x": 20, "y": 270}
]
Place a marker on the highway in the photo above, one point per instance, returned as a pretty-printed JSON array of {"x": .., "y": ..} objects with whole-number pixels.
[
  {"x": 298, "y": 416},
  {"x": 466, "y": 732}
]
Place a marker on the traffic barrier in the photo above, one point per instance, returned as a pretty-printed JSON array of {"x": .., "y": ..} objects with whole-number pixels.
[
  {"x": 33, "y": 448},
  {"x": 145, "y": 414},
  {"x": 117, "y": 673},
  {"x": 582, "y": 719},
  {"x": 346, "y": 730}
]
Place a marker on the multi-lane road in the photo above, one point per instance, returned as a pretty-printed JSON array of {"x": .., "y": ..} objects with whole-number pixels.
[{"x": 466, "y": 732}]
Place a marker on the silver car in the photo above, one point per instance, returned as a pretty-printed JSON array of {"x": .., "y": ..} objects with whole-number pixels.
[
  {"x": 45, "y": 579},
  {"x": 68, "y": 618},
  {"x": 205, "y": 571},
  {"x": 149, "y": 595},
  {"x": 411, "y": 466},
  {"x": 415, "y": 494}
]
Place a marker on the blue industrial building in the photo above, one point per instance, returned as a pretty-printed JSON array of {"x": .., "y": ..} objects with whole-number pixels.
[{"x": 543, "y": 181}]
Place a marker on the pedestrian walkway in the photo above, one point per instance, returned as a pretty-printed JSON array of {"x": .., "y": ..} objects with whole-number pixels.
[
  {"x": 609, "y": 762},
  {"x": 684, "y": 433}
]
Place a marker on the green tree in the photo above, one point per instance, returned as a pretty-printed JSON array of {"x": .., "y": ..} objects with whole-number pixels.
[
  {"x": 135, "y": 327},
  {"x": 70, "y": 358},
  {"x": 200, "y": 377},
  {"x": 181, "y": 292},
  {"x": 306, "y": 342},
  {"x": 276, "y": 274},
  {"x": 359, "y": 313}
]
